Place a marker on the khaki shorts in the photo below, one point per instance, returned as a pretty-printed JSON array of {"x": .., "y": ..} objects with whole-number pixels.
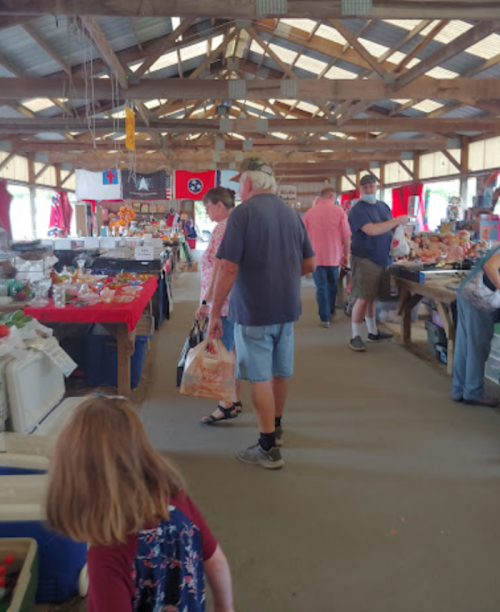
[{"x": 369, "y": 281}]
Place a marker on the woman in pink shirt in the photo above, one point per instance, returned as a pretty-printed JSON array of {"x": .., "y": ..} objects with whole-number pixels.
[
  {"x": 219, "y": 202},
  {"x": 330, "y": 236}
]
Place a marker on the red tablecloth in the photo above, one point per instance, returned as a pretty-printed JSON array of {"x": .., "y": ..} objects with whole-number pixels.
[{"x": 100, "y": 313}]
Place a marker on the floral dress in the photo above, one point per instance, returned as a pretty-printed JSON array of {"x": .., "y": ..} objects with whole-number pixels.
[
  {"x": 160, "y": 569},
  {"x": 207, "y": 263}
]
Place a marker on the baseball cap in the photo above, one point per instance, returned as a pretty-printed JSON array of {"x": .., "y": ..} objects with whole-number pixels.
[
  {"x": 368, "y": 179},
  {"x": 253, "y": 164}
]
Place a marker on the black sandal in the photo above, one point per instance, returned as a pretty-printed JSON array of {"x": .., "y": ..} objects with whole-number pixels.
[
  {"x": 228, "y": 414},
  {"x": 238, "y": 406}
]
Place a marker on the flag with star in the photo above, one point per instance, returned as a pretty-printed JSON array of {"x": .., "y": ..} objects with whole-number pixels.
[{"x": 137, "y": 186}]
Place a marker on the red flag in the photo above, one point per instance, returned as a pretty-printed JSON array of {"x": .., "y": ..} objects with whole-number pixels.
[{"x": 193, "y": 185}]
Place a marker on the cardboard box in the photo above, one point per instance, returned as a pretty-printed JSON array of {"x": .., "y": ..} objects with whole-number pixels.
[{"x": 192, "y": 266}]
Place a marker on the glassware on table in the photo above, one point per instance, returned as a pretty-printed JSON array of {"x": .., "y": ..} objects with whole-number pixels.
[
  {"x": 59, "y": 296},
  {"x": 41, "y": 288}
]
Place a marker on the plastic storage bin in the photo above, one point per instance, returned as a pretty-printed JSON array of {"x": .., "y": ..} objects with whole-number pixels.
[
  {"x": 26, "y": 563},
  {"x": 191, "y": 242},
  {"x": 102, "y": 366},
  {"x": 61, "y": 560}
]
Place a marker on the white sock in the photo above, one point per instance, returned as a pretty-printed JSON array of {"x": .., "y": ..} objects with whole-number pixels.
[
  {"x": 371, "y": 325},
  {"x": 356, "y": 329}
]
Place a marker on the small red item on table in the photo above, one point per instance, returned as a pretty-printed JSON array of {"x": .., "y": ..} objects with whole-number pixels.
[{"x": 9, "y": 559}]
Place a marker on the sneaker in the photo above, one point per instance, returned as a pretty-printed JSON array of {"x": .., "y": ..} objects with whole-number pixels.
[
  {"x": 357, "y": 344},
  {"x": 379, "y": 336},
  {"x": 279, "y": 436},
  {"x": 325, "y": 324},
  {"x": 256, "y": 455}
]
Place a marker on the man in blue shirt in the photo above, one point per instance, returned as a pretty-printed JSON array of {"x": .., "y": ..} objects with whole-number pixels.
[
  {"x": 264, "y": 253},
  {"x": 372, "y": 228}
]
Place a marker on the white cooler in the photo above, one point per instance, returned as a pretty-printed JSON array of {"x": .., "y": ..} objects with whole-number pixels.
[{"x": 36, "y": 389}]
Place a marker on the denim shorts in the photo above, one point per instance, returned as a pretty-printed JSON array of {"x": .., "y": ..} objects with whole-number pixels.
[
  {"x": 227, "y": 333},
  {"x": 263, "y": 352}
]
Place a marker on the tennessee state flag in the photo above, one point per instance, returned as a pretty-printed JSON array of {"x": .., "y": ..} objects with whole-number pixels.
[{"x": 194, "y": 185}]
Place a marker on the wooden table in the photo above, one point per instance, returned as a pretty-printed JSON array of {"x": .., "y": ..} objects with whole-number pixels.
[
  {"x": 411, "y": 293},
  {"x": 119, "y": 320}
]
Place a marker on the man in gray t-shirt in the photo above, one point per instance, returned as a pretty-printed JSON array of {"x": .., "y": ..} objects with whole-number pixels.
[{"x": 264, "y": 253}]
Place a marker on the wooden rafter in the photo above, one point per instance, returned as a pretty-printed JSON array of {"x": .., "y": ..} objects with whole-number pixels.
[
  {"x": 105, "y": 51},
  {"x": 461, "y": 43},
  {"x": 163, "y": 46},
  {"x": 358, "y": 47},
  {"x": 249, "y": 9},
  {"x": 12, "y": 89},
  {"x": 420, "y": 46}
]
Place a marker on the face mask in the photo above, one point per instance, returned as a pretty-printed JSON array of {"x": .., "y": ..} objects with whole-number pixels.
[{"x": 371, "y": 198}]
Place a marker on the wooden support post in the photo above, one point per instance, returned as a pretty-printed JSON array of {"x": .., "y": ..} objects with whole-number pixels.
[
  {"x": 32, "y": 188},
  {"x": 464, "y": 171},
  {"x": 57, "y": 168},
  {"x": 358, "y": 178},
  {"x": 416, "y": 167}
]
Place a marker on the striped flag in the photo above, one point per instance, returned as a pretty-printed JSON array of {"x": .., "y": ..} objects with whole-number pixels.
[{"x": 168, "y": 185}]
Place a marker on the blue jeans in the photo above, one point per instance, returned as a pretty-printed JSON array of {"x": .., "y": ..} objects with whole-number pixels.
[
  {"x": 264, "y": 351},
  {"x": 475, "y": 330},
  {"x": 326, "y": 279}
]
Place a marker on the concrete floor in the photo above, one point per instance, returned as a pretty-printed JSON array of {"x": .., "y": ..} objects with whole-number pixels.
[{"x": 389, "y": 500}]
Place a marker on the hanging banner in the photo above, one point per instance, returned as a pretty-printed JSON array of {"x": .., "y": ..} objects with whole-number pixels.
[
  {"x": 98, "y": 185},
  {"x": 129, "y": 129},
  {"x": 193, "y": 185},
  {"x": 144, "y": 186}
]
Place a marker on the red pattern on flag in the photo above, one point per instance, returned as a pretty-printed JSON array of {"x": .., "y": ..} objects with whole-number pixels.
[{"x": 193, "y": 185}]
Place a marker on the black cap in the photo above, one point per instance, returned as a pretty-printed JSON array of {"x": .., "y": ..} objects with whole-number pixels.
[{"x": 367, "y": 179}]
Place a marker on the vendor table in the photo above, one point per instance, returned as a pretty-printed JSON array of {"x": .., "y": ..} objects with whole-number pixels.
[
  {"x": 410, "y": 294},
  {"x": 120, "y": 320}
]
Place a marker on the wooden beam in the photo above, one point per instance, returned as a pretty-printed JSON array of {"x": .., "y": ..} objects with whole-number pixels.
[
  {"x": 464, "y": 157},
  {"x": 405, "y": 40},
  {"x": 406, "y": 168},
  {"x": 251, "y": 9},
  {"x": 66, "y": 179},
  {"x": 12, "y": 89},
  {"x": 463, "y": 42},
  {"x": 251, "y": 126},
  {"x": 57, "y": 168},
  {"x": 8, "y": 159},
  {"x": 105, "y": 51},
  {"x": 358, "y": 47},
  {"x": 163, "y": 46},
  {"x": 450, "y": 157},
  {"x": 41, "y": 171},
  {"x": 274, "y": 56},
  {"x": 416, "y": 167},
  {"x": 429, "y": 37},
  {"x": 29, "y": 29}
]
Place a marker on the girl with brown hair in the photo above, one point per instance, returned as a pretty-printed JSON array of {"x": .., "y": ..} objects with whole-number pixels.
[{"x": 149, "y": 545}]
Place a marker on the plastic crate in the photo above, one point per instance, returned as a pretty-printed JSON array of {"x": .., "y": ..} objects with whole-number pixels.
[
  {"x": 101, "y": 355},
  {"x": 435, "y": 336},
  {"x": 26, "y": 563},
  {"x": 21, "y": 516}
]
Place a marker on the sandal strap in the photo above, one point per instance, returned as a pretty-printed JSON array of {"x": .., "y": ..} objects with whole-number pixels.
[
  {"x": 226, "y": 411},
  {"x": 238, "y": 404}
]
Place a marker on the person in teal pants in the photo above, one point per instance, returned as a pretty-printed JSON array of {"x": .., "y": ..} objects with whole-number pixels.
[{"x": 475, "y": 331}]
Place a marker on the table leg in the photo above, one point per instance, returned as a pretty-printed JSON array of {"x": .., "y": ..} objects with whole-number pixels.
[{"x": 125, "y": 345}]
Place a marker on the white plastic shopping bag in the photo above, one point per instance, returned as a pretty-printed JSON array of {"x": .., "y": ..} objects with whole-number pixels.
[
  {"x": 399, "y": 247},
  {"x": 210, "y": 372}
]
